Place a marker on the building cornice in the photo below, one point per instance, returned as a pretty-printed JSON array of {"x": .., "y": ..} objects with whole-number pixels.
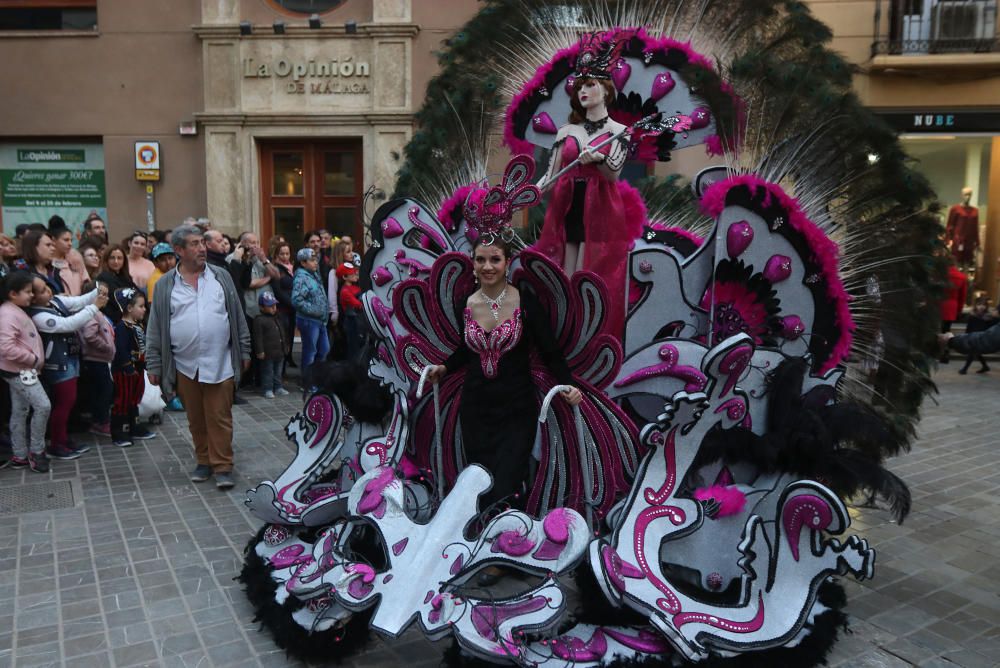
[
  {"x": 944, "y": 63},
  {"x": 266, "y": 118},
  {"x": 364, "y": 30}
]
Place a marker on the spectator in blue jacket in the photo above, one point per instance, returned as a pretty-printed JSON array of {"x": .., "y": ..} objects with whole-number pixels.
[{"x": 310, "y": 304}]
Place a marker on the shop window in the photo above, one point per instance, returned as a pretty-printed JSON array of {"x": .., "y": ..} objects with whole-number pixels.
[
  {"x": 48, "y": 15},
  {"x": 306, "y": 7}
]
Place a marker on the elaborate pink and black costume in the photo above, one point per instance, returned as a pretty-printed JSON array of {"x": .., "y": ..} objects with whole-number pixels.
[
  {"x": 499, "y": 403},
  {"x": 586, "y": 206}
]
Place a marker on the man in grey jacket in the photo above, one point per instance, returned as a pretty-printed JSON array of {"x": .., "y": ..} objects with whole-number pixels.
[{"x": 198, "y": 341}]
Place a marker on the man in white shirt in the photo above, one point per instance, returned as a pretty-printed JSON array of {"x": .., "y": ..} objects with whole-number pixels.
[{"x": 198, "y": 341}]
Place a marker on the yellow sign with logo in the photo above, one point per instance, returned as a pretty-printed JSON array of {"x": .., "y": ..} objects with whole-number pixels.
[{"x": 147, "y": 160}]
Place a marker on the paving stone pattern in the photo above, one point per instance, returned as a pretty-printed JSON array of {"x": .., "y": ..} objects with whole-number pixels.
[{"x": 141, "y": 572}]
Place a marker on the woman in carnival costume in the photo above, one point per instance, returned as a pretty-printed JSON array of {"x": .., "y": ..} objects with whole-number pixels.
[
  {"x": 499, "y": 413},
  {"x": 592, "y": 217}
]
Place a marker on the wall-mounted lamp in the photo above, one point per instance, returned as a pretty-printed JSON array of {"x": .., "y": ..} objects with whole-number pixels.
[
  {"x": 351, "y": 27},
  {"x": 246, "y": 28},
  {"x": 187, "y": 128},
  {"x": 279, "y": 27},
  {"x": 314, "y": 22}
]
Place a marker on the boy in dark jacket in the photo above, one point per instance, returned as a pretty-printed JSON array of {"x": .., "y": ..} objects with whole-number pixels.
[{"x": 269, "y": 343}]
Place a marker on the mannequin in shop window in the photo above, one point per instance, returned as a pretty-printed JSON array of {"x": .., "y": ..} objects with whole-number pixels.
[{"x": 962, "y": 231}]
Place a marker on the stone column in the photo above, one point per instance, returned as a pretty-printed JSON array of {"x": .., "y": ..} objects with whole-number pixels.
[
  {"x": 991, "y": 243},
  {"x": 220, "y": 12}
]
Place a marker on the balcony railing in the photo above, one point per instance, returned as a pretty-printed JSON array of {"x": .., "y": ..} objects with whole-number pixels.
[{"x": 921, "y": 27}]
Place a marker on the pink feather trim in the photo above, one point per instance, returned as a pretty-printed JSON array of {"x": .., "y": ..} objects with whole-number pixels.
[
  {"x": 825, "y": 252},
  {"x": 448, "y": 206},
  {"x": 730, "y": 499}
]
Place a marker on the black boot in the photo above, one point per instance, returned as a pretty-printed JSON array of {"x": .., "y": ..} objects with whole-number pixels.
[
  {"x": 139, "y": 431},
  {"x": 121, "y": 430}
]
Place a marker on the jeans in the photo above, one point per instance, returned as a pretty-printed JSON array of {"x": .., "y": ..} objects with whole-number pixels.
[
  {"x": 315, "y": 342},
  {"x": 96, "y": 377},
  {"x": 24, "y": 398},
  {"x": 270, "y": 374}
]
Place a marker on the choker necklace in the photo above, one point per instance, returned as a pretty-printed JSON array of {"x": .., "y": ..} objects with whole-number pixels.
[
  {"x": 494, "y": 304},
  {"x": 590, "y": 127}
]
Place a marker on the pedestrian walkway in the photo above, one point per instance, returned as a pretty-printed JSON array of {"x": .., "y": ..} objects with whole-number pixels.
[{"x": 135, "y": 565}]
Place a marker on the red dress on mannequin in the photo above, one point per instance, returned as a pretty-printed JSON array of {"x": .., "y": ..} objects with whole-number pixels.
[
  {"x": 962, "y": 231},
  {"x": 612, "y": 213}
]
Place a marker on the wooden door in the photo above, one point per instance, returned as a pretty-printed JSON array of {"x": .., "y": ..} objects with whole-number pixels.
[{"x": 307, "y": 186}]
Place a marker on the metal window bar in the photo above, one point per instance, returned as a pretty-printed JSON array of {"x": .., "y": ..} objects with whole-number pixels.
[{"x": 922, "y": 27}]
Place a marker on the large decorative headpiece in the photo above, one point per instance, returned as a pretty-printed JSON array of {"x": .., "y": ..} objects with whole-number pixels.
[
  {"x": 598, "y": 50},
  {"x": 489, "y": 211}
]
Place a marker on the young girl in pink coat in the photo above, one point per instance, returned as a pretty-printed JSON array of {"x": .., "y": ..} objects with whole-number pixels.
[{"x": 21, "y": 358}]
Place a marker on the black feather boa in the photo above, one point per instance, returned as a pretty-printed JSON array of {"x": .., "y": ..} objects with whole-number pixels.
[
  {"x": 329, "y": 646},
  {"x": 841, "y": 445}
]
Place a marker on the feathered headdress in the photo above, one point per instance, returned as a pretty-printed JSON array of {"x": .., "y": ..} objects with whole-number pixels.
[
  {"x": 489, "y": 212},
  {"x": 598, "y": 51}
]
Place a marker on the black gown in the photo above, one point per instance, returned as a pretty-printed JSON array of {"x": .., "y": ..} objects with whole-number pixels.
[{"x": 499, "y": 405}]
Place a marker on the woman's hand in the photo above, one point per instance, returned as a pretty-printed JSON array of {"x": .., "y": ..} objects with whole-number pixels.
[
  {"x": 102, "y": 298},
  {"x": 436, "y": 373},
  {"x": 572, "y": 396},
  {"x": 589, "y": 157}
]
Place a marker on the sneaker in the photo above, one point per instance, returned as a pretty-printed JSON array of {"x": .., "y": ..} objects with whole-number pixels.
[
  {"x": 269, "y": 395},
  {"x": 239, "y": 401},
  {"x": 17, "y": 462},
  {"x": 101, "y": 429},
  {"x": 224, "y": 480},
  {"x": 282, "y": 392},
  {"x": 141, "y": 433},
  {"x": 201, "y": 473},
  {"x": 40, "y": 463},
  {"x": 175, "y": 405},
  {"x": 58, "y": 452},
  {"x": 123, "y": 442},
  {"x": 78, "y": 447}
]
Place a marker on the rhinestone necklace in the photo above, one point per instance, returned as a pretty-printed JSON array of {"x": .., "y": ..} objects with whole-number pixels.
[{"x": 494, "y": 304}]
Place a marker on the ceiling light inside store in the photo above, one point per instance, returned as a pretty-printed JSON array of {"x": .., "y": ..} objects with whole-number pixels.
[{"x": 872, "y": 158}]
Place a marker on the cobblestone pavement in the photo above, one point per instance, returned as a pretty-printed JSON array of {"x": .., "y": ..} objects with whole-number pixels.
[{"x": 140, "y": 571}]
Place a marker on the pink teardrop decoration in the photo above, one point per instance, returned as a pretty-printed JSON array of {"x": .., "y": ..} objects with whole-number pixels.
[
  {"x": 700, "y": 118},
  {"x": 738, "y": 237},
  {"x": 381, "y": 276},
  {"x": 568, "y": 86},
  {"x": 456, "y": 566},
  {"x": 778, "y": 268},
  {"x": 792, "y": 327},
  {"x": 620, "y": 72},
  {"x": 391, "y": 228},
  {"x": 543, "y": 123},
  {"x": 663, "y": 83}
]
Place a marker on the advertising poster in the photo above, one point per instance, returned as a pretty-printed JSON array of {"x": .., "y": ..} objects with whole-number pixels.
[{"x": 38, "y": 181}]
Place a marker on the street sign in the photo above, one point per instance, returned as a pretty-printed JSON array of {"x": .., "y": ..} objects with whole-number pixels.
[{"x": 147, "y": 160}]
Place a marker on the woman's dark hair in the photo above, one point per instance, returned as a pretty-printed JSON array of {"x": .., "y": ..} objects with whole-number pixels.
[
  {"x": 128, "y": 240},
  {"x": 307, "y": 236},
  {"x": 494, "y": 240},
  {"x": 579, "y": 114},
  {"x": 29, "y": 247},
  {"x": 159, "y": 236},
  {"x": 121, "y": 273},
  {"x": 15, "y": 282}
]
